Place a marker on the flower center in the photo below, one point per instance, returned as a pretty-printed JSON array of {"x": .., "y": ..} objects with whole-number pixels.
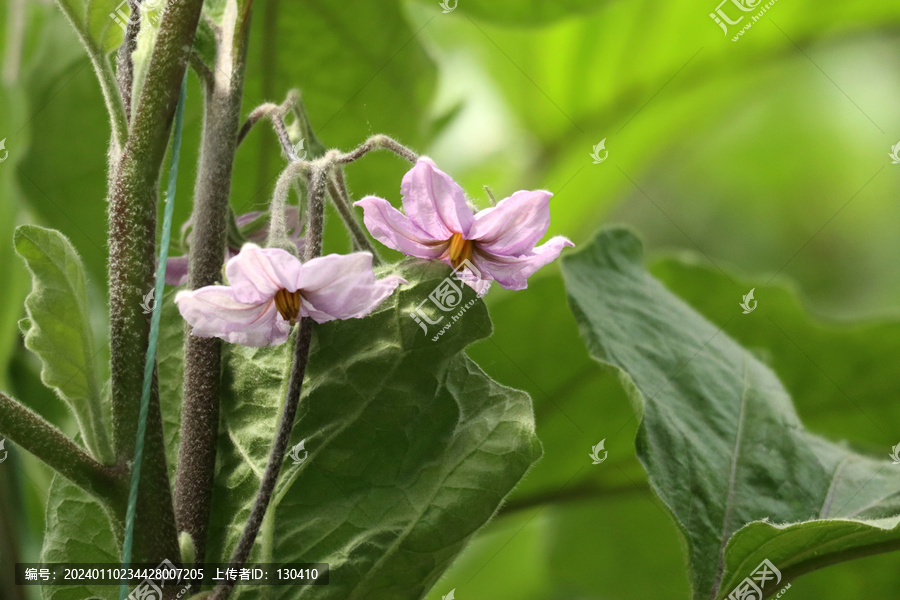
[
  {"x": 460, "y": 250},
  {"x": 288, "y": 304}
]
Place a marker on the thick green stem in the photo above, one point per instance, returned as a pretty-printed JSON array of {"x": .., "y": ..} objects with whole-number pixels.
[
  {"x": 31, "y": 432},
  {"x": 202, "y": 356},
  {"x": 132, "y": 265}
]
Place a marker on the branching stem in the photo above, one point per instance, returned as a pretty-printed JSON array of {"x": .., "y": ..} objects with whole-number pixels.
[{"x": 31, "y": 432}]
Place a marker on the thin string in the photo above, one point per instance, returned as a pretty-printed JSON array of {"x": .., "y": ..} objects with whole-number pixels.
[{"x": 154, "y": 336}]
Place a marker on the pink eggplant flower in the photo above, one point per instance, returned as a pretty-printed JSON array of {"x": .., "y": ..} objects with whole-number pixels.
[
  {"x": 499, "y": 242},
  {"x": 177, "y": 266},
  {"x": 269, "y": 289}
]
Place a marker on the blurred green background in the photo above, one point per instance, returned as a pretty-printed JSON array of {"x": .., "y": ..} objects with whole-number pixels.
[{"x": 760, "y": 163}]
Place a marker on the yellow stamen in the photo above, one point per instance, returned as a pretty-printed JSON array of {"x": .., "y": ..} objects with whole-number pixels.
[
  {"x": 460, "y": 250},
  {"x": 288, "y": 304}
]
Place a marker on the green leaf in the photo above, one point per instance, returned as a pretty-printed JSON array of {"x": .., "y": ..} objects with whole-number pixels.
[
  {"x": 95, "y": 22},
  {"x": 719, "y": 437},
  {"x": 412, "y": 448},
  {"x": 59, "y": 331},
  {"x": 835, "y": 370},
  {"x": 78, "y": 530}
]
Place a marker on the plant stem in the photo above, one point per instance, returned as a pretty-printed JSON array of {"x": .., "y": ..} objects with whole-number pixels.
[
  {"x": 312, "y": 249},
  {"x": 337, "y": 190},
  {"x": 202, "y": 356},
  {"x": 276, "y": 458},
  {"x": 378, "y": 142},
  {"x": 124, "y": 62},
  {"x": 31, "y": 432},
  {"x": 132, "y": 261}
]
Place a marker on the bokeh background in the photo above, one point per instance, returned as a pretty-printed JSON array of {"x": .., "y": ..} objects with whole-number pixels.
[{"x": 757, "y": 163}]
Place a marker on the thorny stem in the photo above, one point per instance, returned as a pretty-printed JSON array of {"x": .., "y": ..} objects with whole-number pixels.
[
  {"x": 125, "y": 63},
  {"x": 312, "y": 249},
  {"x": 30, "y": 431},
  {"x": 132, "y": 264},
  {"x": 202, "y": 363}
]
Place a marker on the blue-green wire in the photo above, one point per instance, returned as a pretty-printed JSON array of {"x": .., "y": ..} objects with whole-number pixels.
[{"x": 154, "y": 336}]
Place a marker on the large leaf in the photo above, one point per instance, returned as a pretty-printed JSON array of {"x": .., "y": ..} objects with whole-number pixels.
[
  {"x": 835, "y": 370},
  {"x": 719, "y": 437},
  {"x": 411, "y": 447},
  {"x": 78, "y": 530},
  {"x": 58, "y": 329}
]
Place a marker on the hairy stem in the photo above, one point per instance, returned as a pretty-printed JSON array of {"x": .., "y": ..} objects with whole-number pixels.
[
  {"x": 202, "y": 367},
  {"x": 378, "y": 142},
  {"x": 31, "y": 432},
  {"x": 312, "y": 249},
  {"x": 337, "y": 190},
  {"x": 124, "y": 62},
  {"x": 132, "y": 265}
]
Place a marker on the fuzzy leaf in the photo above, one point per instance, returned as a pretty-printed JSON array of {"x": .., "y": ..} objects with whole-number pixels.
[
  {"x": 58, "y": 330},
  {"x": 97, "y": 22},
  {"x": 412, "y": 448},
  {"x": 719, "y": 436},
  {"x": 78, "y": 530}
]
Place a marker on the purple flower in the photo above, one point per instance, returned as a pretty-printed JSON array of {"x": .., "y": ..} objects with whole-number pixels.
[
  {"x": 270, "y": 288},
  {"x": 499, "y": 242},
  {"x": 177, "y": 266}
]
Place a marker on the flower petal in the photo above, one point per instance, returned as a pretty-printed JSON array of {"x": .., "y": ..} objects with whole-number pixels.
[
  {"x": 214, "y": 311},
  {"x": 342, "y": 287},
  {"x": 513, "y": 272},
  {"x": 255, "y": 274},
  {"x": 176, "y": 270},
  {"x": 515, "y": 225},
  {"x": 434, "y": 202},
  {"x": 393, "y": 229}
]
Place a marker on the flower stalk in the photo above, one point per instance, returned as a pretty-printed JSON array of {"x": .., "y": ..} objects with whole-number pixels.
[{"x": 312, "y": 249}]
